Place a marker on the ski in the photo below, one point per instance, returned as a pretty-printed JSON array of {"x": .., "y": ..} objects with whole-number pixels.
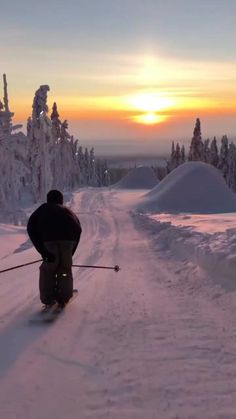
[
  {"x": 49, "y": 314},
  {"x": 58, "y": 309}
]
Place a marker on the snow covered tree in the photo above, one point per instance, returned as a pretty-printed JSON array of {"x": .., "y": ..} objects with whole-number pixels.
[
  {"x": 47, "y": 157},
  {"x": 172, "y": 156},
  {"x": 56, "y": 123},
  {"x": 196, "y": 146},
  {"x": 182, "y": 154},
  {"x": 231, "y": 174},
  {"x": 92, "y": 169},
  {"x": 86, "y": 166},
  {"x": 177, "y": 155},
  {"x": 13, "y": 160},
  {"x": 223, "y": 164},
  {"x": 214, "y": 155},
  {"x": 81, "y": 165},
  {"x": 170, "y": 164},
  {"x": 41, "y": 142},
  {"x": 206, "y": 151},
  {"x": 103, "y": 177},
  {"x": 66, "y": 158}
]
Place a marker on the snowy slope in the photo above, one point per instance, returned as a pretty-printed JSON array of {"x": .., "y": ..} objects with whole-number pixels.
[
  {"x": 156, "y": 340},
  {"x": 142, "y": 177},
  {"x": 193, "y": 187}
]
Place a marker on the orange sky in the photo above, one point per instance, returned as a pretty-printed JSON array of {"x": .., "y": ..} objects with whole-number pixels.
[{"x": 145, "y": 77}]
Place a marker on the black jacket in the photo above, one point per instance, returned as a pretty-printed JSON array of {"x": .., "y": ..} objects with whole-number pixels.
[{"x": 52, "y": 222}]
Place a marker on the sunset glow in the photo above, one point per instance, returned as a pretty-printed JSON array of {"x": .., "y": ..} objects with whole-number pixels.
[
  {"x": 147, "y": 76},
  {"x": 149, "y": 118},
  {"x": 150, "y": 102}
]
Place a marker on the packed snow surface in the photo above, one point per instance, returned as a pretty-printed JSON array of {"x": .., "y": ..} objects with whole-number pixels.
[
  {"x": 153, "y": 341},
  {"x": 192, "y": 187},
  {"x": 139, "y": 178}
]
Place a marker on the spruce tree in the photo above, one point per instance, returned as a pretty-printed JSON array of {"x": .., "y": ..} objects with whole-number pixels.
[
  {"x": 223, "y": 164},
  {"x": 177, "y": 155},
  {"x": 231, "y": 175},
  {"x": 172, "y": 157},
  {"x": 196, "y": 146},
  {"x": 206, "y": 151},
  {"x": 182, "y": 153},
  {"x": 214, "y": 154}
]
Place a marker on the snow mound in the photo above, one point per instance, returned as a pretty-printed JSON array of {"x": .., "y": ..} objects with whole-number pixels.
[
  {"x": 139, "y": 178},
  {"x": 194, "y": 187}
]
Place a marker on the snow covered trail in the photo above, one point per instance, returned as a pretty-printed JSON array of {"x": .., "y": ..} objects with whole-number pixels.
[{"x": 156, "y": 340}]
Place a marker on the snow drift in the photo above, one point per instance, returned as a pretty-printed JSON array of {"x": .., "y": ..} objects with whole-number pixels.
[
  {"x": 139, "y": 178},
  {"x": 194, "y": 187},
  {"x": 214, "y": 253}
]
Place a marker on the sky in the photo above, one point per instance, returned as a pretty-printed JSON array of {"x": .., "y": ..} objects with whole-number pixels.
[{"x": 128, "y": 75}]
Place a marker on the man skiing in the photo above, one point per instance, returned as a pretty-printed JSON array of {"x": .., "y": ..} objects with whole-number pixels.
[{"x": 55, "y": 232}]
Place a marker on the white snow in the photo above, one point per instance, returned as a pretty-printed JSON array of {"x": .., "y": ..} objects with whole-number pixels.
[
  {"x": 195, "y": 187},
  {"x": 156, "y": 340},
  {"x": 204, "y": 223},
  {"x": 142, "y": 177}
]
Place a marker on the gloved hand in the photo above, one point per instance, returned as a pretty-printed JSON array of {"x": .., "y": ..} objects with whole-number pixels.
[{"x": 48, "y": 257}]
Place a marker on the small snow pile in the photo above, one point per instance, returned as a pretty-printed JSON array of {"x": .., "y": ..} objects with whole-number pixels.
[
  {"x": 194, "y": 187},
  {"x": 139, "y": 178}
]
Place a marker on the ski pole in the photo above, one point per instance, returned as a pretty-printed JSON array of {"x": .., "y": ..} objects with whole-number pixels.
[
  {"x": 20, "y": 266},
  {"x": 115, "y": 268}
]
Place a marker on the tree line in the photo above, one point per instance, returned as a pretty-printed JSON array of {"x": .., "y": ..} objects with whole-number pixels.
[
  {"x": 47, "y": 157},
  {"x": 223, "y": 157}
]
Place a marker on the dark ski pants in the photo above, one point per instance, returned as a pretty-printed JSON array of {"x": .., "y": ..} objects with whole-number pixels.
[{"x": 55, "y": 278}]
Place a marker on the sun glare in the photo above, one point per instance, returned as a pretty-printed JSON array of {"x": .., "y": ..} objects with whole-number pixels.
[
  {"x": 149, "y": 118},
  {"x": 151, "y": 102}
]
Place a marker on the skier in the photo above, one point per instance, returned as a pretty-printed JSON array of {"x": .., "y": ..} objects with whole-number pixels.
[{"x": 55, "y": 233}]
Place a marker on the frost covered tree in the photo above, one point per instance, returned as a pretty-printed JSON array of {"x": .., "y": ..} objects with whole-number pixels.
[
  {"x": 103, "y": 177},
  {"x": 41, "y": 143},
  {"x": 182, "y": 154},
  {"x": 231, "y": 174},
  {"x": 86, "y": 166},
  {"x": 223, "y": 164},
  {"x": 56, "y": 123},
  {"x": 81, "y": 165},
  {"x": 196, "y": 146},
  {"x": 92, "y": 168},
  {"x": 47, "y": 157},
  {"x": 55, "y": 158},
  {"x": 63, "y": 154},
  {"x": 172, "y": 156},
  {"x": 214, "y": 154},
  {"x": 66, "y": 158},
  {"x": 206, "y": 151},
  {"x": 171, "y": 162},
  {"x": 177, "y": 155},
  {"x": 13, "y": 160}
]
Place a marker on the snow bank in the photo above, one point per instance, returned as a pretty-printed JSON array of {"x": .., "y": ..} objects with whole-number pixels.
[
  {"x": 215, "y": 253},
  {"x": 193, "y": 187},
  {"x": 139, "y": 178},
  {"x": 203, "y": 223}
]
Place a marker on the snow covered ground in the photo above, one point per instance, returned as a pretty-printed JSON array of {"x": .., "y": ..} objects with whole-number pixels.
[{"x": 155, "y": 341}]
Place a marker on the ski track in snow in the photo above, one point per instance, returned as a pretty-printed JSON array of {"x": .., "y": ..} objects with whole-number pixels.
[{"x": 155, "y": 341}]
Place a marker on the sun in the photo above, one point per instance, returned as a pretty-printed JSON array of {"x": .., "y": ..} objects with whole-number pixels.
[
  {"x": 151, "y": 105},
  {"x": 149, "y": 118}
]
